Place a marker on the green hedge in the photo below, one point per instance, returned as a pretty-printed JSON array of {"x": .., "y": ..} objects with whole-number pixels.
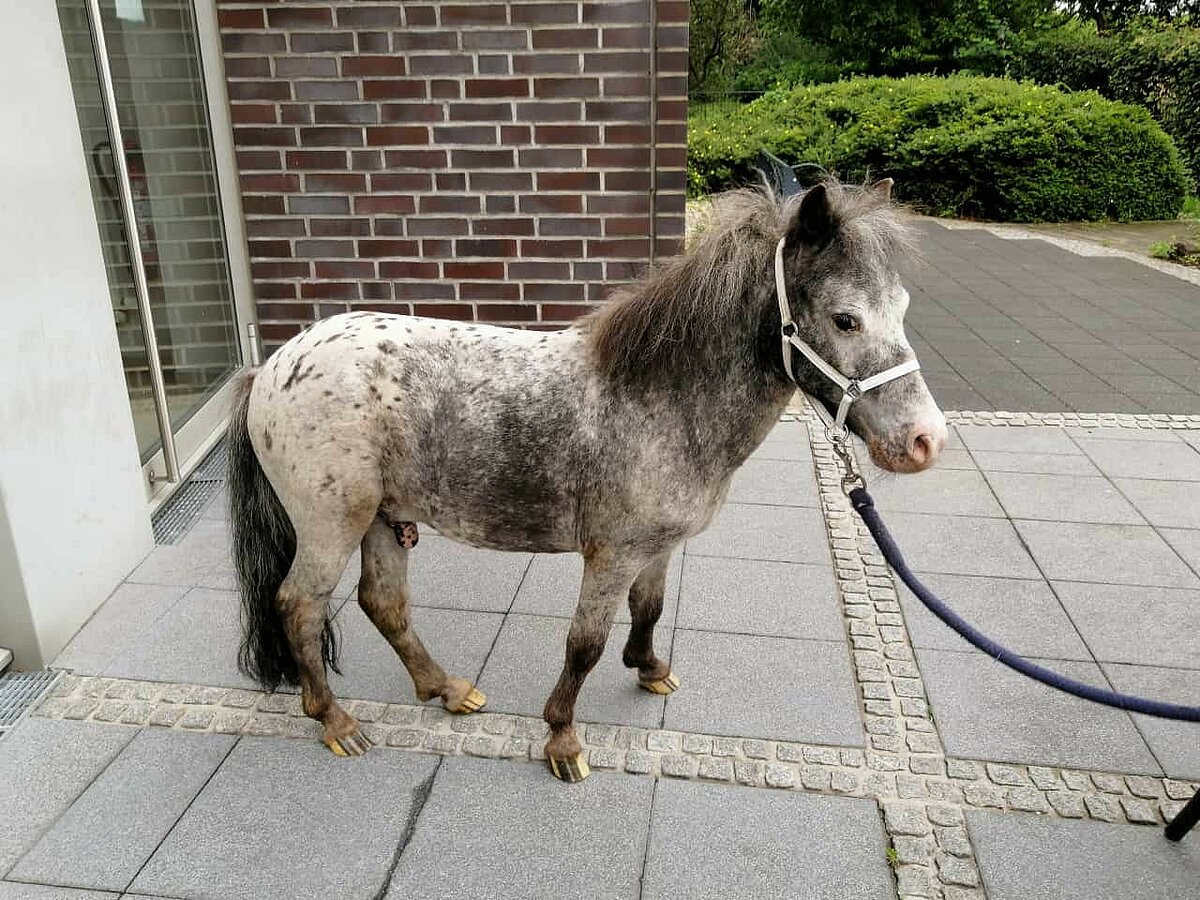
[
  {"x": 1153, "y": 65},
  {"x": 959, "y": 146}
]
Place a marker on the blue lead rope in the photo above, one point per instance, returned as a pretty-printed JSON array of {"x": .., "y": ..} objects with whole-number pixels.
[{"x": 865, "y": 507}]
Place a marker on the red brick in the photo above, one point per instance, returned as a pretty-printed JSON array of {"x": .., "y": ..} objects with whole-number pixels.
[
  {"x": 420, "y": 16},
  {"x": 497, "y": 87},
  {"x": 399, "y": 204},
  {"x": 523, "y": 270},
  {"x": 300, "y": 18},
  {"x": 445, "y": 89},
  {"x": 275, "y": 228},
  {"x": 450, "y": 181},
  {"x": 486, "y": 247},
  {"x": 259, "y": 90},
  {"x": 285, "y": 269},
  {"x": 408, "y": 269},
  {"x": 233, "y": 42},
  {"x": 550, "y": 111},
  {"x": 567, "y": 134},
  {"x": 568, "y": 181},
  {"x": 385, "y": 135},
  {"x": 306, "y": 67},
  {"x": 370, "y": 17},
  {"x": 385, "y": 247},
  {"x": 344, "y": 268},
  {"x": 619, "y": 157},
  {"x": 247, "y": 67},
  {"x": 366, "y": 160},
  {"x": 411, "y": 112},
  {"x": 541, "y": 293},
  {"x": 463, "y": 312},
  {"x": 325, "y": 249},
  {"x": 437, "y": 227},
  {"x": 295, "y": 113},
  {"x": 424, "y": 40},
  {"x": 400, "y": 181},
  {"x": 498, "y": 203},
  {"x": 515, "y": 134},
  {"x": 282, "y": 310},
  {"x": 574, "y": 226},
  {"x": 626, "y": 181},
  {"x": 345, "y": 113},
  {"x": 494, "y": 226},
  {"x": 506, "y": 312},
  {"x": 481, "y": 159},
  {"x": 496, "y": 39},
  {"x": 395, "y": 89},
  {"x": 475, "y": 14},
  {"x": 373, "y": 66},
  {"x": 465, "y": 134},
  {"x": 263, "y": 206},
  {"x": 423, "y": 290},
  {"x": 277, "y": 332},
  {"x": 501, "y": 181},
  {"x": 309, "y": 204},
  {"x": 673, "y": 10},
  {"x": 558, "y": 312},
  {"x": 448, "y": 203},
  {"x": 491, "y": 291},
  {"x": 629, "y": 204},
  {"x": 610, "y": 11},
  {"x": 619, "y": 226},
  {"x": 545, "y": 13},
  {"x": 281, "y": 249},
  {"x": 617, "y": 110},
  {"x": 626, "y": 86},
  {"x": 229, "y": 19},
  {"x": 323, "y": 42},
  {"x": 553, "y": 248},
  {"x": 561, "y": 157},
  {"x": 330, "y": 290},
  {"x": 621, "y": 248},
  {"x": 481, "y": 112},
  {"x": 316, "y": 159},
  {"x": 547, "y": 64},
  {"x": 269, "y": 184},
  {"x": 253, "y": 113},
  {"x": 551, "y": 203},
  {"x": 328, "y": 90},
  {"x": 564, "y": 38},
  {"x": 339, "y": 227},
  {"x": 258, "y": 160},
  {"x": 635, "y": 36},
  {"x": 389, "y": 226},
  {"x": 396, "y": 309},
  {"x": 551, "y": 88},
  {"x": 415, "y": 159},
  {"x": 476, "y": 270},
  {"x": 443, "y": 64}
]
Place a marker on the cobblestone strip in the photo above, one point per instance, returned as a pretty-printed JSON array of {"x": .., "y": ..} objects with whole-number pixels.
[
  {"x": 931, "y": 851},
  {"x": 1077, "y": 420}
]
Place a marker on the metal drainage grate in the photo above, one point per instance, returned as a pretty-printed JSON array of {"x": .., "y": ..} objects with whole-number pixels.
[
  {"x": 180, "y": 513},
  {"x": 20, "y": 691}
]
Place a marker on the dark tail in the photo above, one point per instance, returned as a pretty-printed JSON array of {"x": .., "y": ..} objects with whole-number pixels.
[{"x": 264, "y": 545}]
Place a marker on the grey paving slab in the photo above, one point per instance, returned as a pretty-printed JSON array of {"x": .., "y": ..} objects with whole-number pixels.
[
  {"x": 10, "y": 890},
  {"x": 130, "y": 609},
  {"x": 1031, "y": 439},
  {"x": 960, "y": 545},
  {"x": 44, "y": 765},
  {"x": 1117, "y": 554},
  {"x": 451, "y": 575},
  {"x": 1062, "y": 498},
  {"x": 1039, "y": 463},
  {"x": 1136, "y": 624},
  {"x": 775, "y": 482},
  {"x": 1084, "y": 433},
  {"x": 781, "y": 533},
  {"x": 194, "y": 642},
  {"x": 1174, "y": 460},
  {"x": 1173, "y": 743},
  {"x": 1022, "y": 614},
  {"x": 985, "y": 710},
  {"x": 752, "y": 597},
  {"x": 765, "y": 687},
  {"x": 953, "y": 492},
  {"x": 1171, "y": 504},
  {"x": 459, "y": 641},
  {"x": 551, "y": 587},
  {"x": 726, "y": 843},
  {"x": 1024, "y": 857},
  {"x": 203, "y": 548},
  {"x": 494, "y": 830},
  {"x": 786, "y": 441},
  {"x": 115, "y": 825},
  {"x": 1185, "y": 542},
  {"x": 289, "y": 820},
  {"x": 955, "y": 458},
  {"x": 528, "y": 657}
]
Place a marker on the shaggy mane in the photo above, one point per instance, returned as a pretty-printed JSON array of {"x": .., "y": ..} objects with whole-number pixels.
[{"x": 644, "y": 327}]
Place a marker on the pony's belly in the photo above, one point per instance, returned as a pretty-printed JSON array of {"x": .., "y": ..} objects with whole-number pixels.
[{"x": 498, "y": 536}]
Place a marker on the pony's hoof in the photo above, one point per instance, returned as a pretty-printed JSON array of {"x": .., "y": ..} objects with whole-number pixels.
[
  {"x": 473, "y": 702},
  {"x": 572, "y": 769},
  {"x": 664, "y": 686},
  {"x": 351, "y": 745}
]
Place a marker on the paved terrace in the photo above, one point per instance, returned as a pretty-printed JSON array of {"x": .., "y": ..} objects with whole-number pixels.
[{"x": 830, "y": 739}]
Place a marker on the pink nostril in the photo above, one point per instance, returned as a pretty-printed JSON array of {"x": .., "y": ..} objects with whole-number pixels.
[{"x": 923, "y": 450}]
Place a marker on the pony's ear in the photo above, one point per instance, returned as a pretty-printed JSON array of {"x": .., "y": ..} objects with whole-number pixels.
[
  {"x": 813, "y": 224},
  {"x": 882, "y": 189}
]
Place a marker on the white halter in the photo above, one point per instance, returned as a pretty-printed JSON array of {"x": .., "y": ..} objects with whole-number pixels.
[{"x": 852, "y": 389}]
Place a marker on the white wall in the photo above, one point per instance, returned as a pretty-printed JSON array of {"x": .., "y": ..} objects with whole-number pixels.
[{"x": 71, "y": 495}]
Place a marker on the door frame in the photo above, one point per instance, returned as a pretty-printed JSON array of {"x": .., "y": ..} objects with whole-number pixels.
[{"x": 206, "y": 426}]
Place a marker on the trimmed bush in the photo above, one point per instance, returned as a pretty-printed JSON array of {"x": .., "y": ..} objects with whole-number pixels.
[{"x": 959, "y": 146}]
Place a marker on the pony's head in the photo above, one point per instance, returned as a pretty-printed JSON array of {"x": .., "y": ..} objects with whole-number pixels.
[{"x": 841, "y": 252}]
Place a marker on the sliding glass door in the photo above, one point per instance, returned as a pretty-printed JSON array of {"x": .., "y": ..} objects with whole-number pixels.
[{"x": 147, "y": 124}]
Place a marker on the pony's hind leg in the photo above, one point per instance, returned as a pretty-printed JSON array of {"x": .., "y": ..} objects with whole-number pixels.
[
  {"x": 383, "y": 596},
  {"x": 645, "y": 607},
  {"x": 303, "y": 601},
  {"x": 605, "y": 581}
]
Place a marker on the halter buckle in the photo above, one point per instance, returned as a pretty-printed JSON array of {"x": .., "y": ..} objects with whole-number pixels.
[{"x": 853, "y": 390}]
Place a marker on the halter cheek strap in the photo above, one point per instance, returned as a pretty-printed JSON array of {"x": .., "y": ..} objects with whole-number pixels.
[{"x": 852, "y": 388}]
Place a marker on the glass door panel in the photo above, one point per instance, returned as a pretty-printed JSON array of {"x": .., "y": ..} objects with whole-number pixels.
[{"x": 155, "y": 83}]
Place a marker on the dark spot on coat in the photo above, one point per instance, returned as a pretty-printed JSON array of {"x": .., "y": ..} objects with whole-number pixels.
[
  {"x": 268, "y": 440},
  {"x": 388, "y": 347}
]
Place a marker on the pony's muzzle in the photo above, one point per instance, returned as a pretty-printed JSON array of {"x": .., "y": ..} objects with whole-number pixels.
[{"x": 924, "y": 442}]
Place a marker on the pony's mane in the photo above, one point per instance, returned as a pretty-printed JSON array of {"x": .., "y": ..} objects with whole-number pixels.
[{"x": 644, "y": 326}]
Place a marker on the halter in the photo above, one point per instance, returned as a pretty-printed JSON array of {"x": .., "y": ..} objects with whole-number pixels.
[{"x": 852, "y": 388}]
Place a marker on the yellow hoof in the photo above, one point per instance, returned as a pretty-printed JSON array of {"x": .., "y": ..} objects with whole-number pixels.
[
  {"x": 571, "y": 770},
  {"x": 664, "y": 686},
  {"x": 352, "y": 745},
  {"x": 473, "y": 702}
]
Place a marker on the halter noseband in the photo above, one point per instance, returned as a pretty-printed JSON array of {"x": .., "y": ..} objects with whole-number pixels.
[{"x": 852, "y": 388}]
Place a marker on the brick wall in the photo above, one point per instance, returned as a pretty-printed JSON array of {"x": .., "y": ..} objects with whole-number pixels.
[{"x": 504, "y": 162}]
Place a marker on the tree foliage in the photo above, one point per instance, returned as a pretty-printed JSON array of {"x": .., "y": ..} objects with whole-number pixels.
[{"x": 722, "y": 37}]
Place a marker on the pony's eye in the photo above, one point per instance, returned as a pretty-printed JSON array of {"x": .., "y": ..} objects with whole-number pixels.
[{"x": 845, "y": 322}]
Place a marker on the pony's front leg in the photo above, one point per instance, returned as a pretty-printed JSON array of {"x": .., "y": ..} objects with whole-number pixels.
[
  {"x": 645, "y": 607},
  {"x": 605, "y": 581}
]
